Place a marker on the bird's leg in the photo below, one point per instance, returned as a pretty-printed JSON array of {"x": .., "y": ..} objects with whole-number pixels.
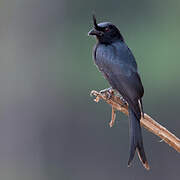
[
  {"x": 123, "y": 101},
  {"x": 108, "y": 92}
]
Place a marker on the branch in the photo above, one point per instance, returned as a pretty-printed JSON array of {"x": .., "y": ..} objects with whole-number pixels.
[{"x": 147, "y": 122}]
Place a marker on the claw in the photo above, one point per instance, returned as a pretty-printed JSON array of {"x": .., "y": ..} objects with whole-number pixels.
[
  {"x": 105, "y": 90},
  {"x": 108, "y": 92},
  {"x": 124, "y": 101}
]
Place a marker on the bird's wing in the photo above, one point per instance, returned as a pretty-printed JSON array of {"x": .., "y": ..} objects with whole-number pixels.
[
  {"x": 124, "y": 54},
  {"x": 127, "y": 83}
]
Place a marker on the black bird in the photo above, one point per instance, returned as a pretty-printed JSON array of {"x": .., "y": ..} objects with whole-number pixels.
[{"x": 117, "y": 63}]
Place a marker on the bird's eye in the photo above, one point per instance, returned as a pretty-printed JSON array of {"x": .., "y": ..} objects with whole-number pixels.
[{"x": 106, "y": 29}]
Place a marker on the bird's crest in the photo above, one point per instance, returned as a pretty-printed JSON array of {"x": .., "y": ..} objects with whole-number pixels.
[{"x": 95, "y": 23}]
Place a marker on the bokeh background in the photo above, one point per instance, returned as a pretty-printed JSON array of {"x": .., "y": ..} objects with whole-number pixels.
[{"x": 50, "y": 128}]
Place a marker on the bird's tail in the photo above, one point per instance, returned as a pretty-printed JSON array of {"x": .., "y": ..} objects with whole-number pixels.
[{"x": 136, "y": 140}]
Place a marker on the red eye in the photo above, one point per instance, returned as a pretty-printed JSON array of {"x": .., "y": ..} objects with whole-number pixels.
[{"x": 106, "y": 29}]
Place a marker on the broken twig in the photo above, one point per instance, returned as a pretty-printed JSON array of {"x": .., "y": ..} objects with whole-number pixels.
[{"x": 147, "y": 122}]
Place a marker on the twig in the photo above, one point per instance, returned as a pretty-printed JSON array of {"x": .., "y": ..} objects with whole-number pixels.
[{"x": 147, "y": 122}]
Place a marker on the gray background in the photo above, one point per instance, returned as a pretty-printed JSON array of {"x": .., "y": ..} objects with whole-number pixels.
[{"x": 50, "y": 128}]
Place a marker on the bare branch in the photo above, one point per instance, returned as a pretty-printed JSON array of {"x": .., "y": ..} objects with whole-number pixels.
[{"x": 147, "y": 122}]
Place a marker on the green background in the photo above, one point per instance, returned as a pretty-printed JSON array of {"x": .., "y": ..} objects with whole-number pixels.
[{"x": 50, "y": 128}]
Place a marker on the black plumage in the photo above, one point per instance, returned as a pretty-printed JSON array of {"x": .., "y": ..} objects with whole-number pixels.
[{"x": 117, "y": 63}]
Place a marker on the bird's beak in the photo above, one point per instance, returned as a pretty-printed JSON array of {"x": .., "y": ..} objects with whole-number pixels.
[
  {"x": 97, "y": 31},
  {"x": 94, "y": 32}
]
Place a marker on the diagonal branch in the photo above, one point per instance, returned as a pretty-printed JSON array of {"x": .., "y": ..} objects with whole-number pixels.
[{"x": 147, "y": 122}]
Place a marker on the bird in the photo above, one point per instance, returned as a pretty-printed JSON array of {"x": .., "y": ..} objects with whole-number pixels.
[{"x": 117, "y": 63}]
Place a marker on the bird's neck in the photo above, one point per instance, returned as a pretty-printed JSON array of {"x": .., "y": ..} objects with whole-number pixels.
[{"x": 110, "y": 40}]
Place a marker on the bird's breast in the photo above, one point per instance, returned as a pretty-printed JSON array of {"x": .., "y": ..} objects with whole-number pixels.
[{"x": 104, "y": 55}]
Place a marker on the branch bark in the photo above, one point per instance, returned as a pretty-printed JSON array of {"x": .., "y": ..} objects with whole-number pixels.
[{"x": 147, "y": 122}]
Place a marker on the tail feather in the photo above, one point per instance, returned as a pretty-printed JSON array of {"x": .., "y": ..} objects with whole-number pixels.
[
  {"x": 136, "y": 141},
  {"x": 142, "y": 110}
]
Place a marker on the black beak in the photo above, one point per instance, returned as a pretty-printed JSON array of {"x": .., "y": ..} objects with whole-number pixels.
[
  {"x": 94, "y": 32},
  {"x": 97, "y": 31}
]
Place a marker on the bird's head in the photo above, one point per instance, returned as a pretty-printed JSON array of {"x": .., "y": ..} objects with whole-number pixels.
[{"x": 105, "y": 32}]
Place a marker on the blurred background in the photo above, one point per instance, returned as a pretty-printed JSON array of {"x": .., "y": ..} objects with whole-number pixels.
[{"x": 50, "y": 128}]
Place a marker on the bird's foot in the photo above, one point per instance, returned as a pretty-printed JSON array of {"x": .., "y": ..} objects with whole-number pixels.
[
  {"x": 108, "y": 92},
  {"x": 123, "y": 101}
]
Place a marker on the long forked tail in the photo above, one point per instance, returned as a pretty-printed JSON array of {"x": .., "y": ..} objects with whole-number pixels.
[{"x": 136, "y": 141}]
